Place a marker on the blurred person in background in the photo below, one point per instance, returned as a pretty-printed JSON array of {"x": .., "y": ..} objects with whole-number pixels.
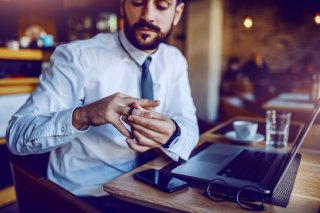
[
  {"x": 232, "y": 76},
  {"x": 233, "y": 71},
  {"x": 256, "y": 69}
]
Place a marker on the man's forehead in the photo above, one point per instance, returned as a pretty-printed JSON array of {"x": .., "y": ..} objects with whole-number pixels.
[{"x": 170, "y": 1}]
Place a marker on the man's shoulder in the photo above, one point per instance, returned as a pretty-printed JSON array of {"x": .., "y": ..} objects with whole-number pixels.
[
  {"x": 167, "y": 48},
  {"x": 171, "y": 51},
  {"x": 102, "y": 40}
]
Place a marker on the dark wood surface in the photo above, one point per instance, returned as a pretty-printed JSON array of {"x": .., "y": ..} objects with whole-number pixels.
[{"x": 305, "y": 196}]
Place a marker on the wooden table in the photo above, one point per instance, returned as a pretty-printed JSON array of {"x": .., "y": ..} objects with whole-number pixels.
[
  {"x": 297, "y": 103},
  {"x": 294, "y": 102},
  {"x": 305, "y": 196}
]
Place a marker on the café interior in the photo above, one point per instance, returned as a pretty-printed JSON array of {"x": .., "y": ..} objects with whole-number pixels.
[{"x": 245, "y": 57}]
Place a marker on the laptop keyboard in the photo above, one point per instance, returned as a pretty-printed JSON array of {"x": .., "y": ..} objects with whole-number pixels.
[{"x": 249, "y": 165}]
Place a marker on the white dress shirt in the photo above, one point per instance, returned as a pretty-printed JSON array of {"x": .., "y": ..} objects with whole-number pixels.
[{"x": 83, "y": 72}]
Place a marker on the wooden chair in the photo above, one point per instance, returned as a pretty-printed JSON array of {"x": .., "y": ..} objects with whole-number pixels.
[
  {"x": 11, "y": 86},
  {"x": 36, "y": 193},
  {"x": 33, "y": 190}
]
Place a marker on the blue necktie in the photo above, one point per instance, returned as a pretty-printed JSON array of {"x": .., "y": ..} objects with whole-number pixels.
[
  {"x": 146, "y": 80},
  {"x": 147, "y": 93}
]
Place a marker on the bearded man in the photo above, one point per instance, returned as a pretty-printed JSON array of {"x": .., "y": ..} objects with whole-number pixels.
[{"x": 104, "y": 101}]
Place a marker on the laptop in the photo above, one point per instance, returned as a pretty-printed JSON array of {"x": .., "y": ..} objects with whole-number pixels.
[{"x": 240, "y": 166}]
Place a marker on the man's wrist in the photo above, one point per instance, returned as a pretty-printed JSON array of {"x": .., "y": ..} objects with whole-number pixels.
[
  {"x": 176, "y": 134},
  {"x": 77, "y": 118}
]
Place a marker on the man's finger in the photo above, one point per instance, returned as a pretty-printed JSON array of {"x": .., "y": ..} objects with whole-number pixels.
[
  {"x": 152, "y": 124},
  {"x": 144, "y": 141},
  {"x": 136, "y": 147},
  {"x": 157, "y": 115},
  {"x": 145, "y": 114},
  {"x": 147, "y": 103},
  {"x": 155, "y": 136},
  {"x": 125, "y": 110},
  {"x": 122, "y": 129},
  {"x": 137, "y": 106}
]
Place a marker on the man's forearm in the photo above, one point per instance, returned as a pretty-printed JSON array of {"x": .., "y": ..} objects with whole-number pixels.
[
  {"x": 79, "y": 118},
  {"x": 31, "y": 134}
]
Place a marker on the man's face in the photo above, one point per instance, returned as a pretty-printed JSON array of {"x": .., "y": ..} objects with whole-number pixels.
[{"x": 147, "y": 23}]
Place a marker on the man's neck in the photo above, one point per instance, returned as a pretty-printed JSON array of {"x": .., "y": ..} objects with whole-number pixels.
[{"x": 150, "y": 52}]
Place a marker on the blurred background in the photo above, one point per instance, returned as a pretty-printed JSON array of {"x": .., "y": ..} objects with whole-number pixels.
[
  {"x": 241, "y": 53},
  {"x": 213, "y": 35}
]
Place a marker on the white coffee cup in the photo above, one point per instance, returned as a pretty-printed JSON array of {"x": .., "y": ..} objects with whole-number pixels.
[{"x": 245, "y": 130}]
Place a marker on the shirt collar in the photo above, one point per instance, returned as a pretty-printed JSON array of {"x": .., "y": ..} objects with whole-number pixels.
[{"x": 137, "y": 55}]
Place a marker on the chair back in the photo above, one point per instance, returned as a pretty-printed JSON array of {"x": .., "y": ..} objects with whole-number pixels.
[
  {"x": 11, "y": 98},
  {"x": 36, "y": 193}
]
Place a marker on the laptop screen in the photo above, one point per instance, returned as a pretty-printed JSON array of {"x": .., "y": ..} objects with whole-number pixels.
[
  {"x": 306, "y": 129},
  {"x": 302, "y": 136}
]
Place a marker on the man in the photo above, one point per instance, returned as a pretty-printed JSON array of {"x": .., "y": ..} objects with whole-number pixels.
[
  {"x": 80, "y": 107},
  {"x": 256, "y": 69}
]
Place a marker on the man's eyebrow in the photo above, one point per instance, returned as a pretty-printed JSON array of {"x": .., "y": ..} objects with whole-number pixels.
[{"x": 168, "y": 1}]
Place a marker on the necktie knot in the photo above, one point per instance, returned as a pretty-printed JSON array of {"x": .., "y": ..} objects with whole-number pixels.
[{"x": 146, "y": 63}]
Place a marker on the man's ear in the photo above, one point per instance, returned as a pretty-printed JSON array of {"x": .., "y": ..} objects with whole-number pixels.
[
  {"x": 178, "y": 13},
  {"x": 122, "y": 7}
]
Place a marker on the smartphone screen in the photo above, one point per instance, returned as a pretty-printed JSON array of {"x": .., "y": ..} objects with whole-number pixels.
[{"x": 161, "y": 180}]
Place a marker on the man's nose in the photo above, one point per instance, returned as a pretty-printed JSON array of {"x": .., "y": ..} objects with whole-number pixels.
[{"x": 148, "y": 13}]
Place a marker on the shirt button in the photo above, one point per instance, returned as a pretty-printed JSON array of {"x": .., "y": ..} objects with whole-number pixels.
[{"x": 63, "y": 129}]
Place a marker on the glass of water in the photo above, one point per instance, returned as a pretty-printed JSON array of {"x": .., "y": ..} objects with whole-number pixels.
[{"x": 277, "y": 128}]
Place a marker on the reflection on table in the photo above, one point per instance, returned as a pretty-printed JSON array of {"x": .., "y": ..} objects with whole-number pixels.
[{"x": 296, "y": 102}]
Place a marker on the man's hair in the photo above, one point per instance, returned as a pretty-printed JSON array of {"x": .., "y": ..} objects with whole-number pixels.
[{"x": 179, "y": 1}]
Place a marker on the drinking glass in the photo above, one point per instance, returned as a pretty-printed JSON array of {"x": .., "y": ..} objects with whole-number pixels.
[{"x": 277, "y": 128}]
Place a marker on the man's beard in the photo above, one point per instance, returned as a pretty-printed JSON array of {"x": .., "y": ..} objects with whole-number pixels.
[{"x": 151, "y": 45}]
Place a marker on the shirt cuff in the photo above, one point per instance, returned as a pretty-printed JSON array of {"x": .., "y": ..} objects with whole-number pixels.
[
  {"x": 64, "y": 126},
  {"x": 172, "y": 155},
  {"x": 75, "y": 130},
  {"x": 173, "y": 138},
  {"x": 183, "y": 145}
]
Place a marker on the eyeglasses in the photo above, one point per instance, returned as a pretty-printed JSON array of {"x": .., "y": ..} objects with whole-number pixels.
[{"x": 248, "y": 197}]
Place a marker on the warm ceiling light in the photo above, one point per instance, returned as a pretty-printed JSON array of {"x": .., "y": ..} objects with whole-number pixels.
[
  {"x": 248, "y": 22},
  {"x": 317, "y": 18}
]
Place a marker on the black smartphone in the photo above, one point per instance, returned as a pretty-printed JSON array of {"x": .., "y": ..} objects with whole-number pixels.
[{"x": 160, "y": 180}]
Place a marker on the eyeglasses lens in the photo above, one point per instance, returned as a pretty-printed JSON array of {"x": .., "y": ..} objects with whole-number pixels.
[
  {"x": 218, "y": 190},
  {"x": 250, "y": 198}
]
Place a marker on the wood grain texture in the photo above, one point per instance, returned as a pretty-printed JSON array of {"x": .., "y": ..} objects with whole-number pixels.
[
  {"x": 17, "y": 85},
  {"x": 7, "y": 196},
  {"x": 18, "y": 81},
  {"x": 26, "y": 54},
  {"x": 2, "y": 141},
  {"x": 305, "y": 196}
]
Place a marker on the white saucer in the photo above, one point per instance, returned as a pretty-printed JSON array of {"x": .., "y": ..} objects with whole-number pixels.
[{"x": 232, "y": 136}]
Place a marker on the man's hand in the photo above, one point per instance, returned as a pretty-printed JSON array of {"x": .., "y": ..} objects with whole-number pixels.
[
  {"x": 149, "y": 128},
  {"x": 109, "y": 110}
]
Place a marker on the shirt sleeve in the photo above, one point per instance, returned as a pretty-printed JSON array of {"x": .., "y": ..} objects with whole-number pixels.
[
  {"x": 44, "y": 122},
  {"x": 181, "y": 108}
]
